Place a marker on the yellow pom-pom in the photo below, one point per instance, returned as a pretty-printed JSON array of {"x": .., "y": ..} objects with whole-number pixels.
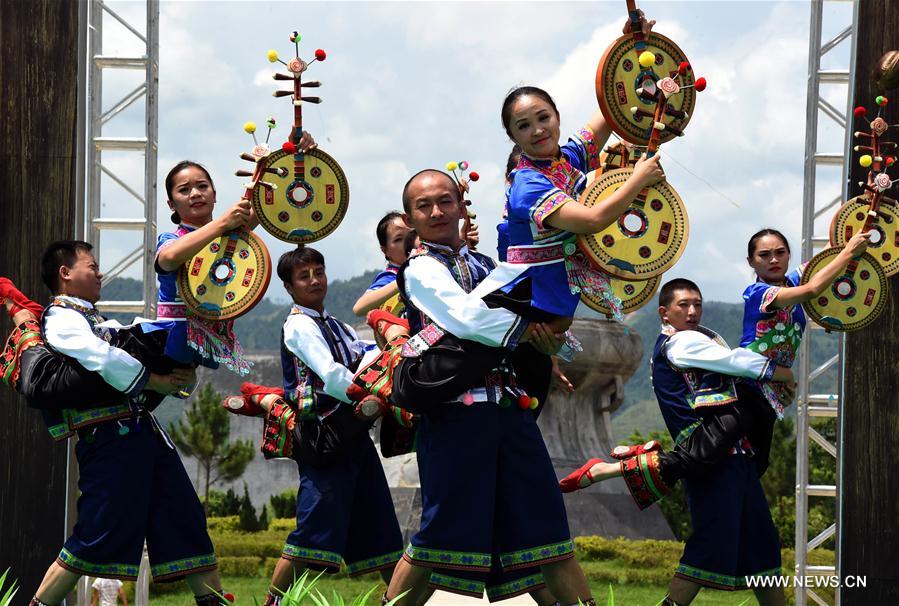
[
  {"x": 865, "y": 161},
  {"x": 272, "y": 56},
  {"x": 534, "y": 403},
  {"x": 249, "y": 127},
  {"x": 647, "y": 59},
  {"x": 451, "y": 166}
]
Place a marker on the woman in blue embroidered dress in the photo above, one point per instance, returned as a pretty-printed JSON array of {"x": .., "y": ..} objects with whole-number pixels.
[
  {"x": 191, "y": 197},
  {"x": 773, "y": 320},
  {"x": 543, "y": 213}
]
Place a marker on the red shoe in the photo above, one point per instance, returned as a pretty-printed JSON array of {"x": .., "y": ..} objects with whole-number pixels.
[
  {"x": 9, "y": 291},
  {"x": 376, "y": 316},
  {"x": 626, "y": 452},
  {"x": 572, "y": 481},
  {"x": 247, "y": 403},
  {"x": 370, "y": 408}
]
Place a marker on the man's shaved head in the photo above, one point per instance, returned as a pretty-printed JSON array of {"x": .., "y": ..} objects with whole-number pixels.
[{"x": 421, "y": 173}]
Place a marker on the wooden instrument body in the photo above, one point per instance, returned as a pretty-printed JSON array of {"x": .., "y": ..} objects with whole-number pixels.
[
  {"x": 227, "y": 278},
  {"x": 855, "y": 298},
  {"x": 646, "y": 240},
  {"x": 618, "y": 77},
  {"x": 884, "y": 245},
  {"x": 633, "y": 295},
  {"x": 308, "y": 203}
]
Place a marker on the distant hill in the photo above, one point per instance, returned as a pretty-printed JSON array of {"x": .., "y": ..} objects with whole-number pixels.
[{"x": 259, "y": 332}]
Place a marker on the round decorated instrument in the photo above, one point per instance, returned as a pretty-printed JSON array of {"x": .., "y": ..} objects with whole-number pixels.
[
  {"x": 636, "y": 75},
  {"x": 227, "y": 278},
  {"x": 884, "y": 243},
  {"x": 855, "y": 298},
  {"x": 311, "y": 193},
  {"x": 309, "y": 201},
  {"x": 647, "y": 239},
  {"x": 633, "y": 295}
]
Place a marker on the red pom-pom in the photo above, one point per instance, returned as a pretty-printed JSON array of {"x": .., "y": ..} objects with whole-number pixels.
[
  {"x": 890, "y": 160},
  {"x": 289, "y": 147},
  {"x": 700, "y": 85},
  {"x": 682, "y": 68},
  {"x": 860, "y": 112},
  {"x": 524, "y": 402},
  {"x": 320, "y": 54},
  {"x": 229, "y": 597},
  {"x": 473, "y": 176}
]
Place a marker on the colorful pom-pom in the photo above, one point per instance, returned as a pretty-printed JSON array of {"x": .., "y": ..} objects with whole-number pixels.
[
  {"x": 473, "y": 176},
  {"x": 467, "y": 398},
  {"x": 865, "y": 161},
  {"x": 682, "y": 68},
  {"x": 534, "y": 403},
  {"x": 249, "y": 127},
  {"x": 463, "y": 165},
  {"x": 451, "y": 166},
  {"x": 890, "y": 160},
  {"x": 289, "y": 147},
  {"x": 646, "y": 59},
  {"x": 524, "y": 402},
  {"x": 505, "y": 402},
  {"x": 295, "y": 37},
  {"x": 700, "y": 84},
  {"x": 881, "y": 100},
  {"x": 320, "y": 54},
  {"x": 271, "y": 123},
  {"x": 860, "y": 112},
  {"x": 272, "y": 56},
  {"x": 229, "y": 596}
]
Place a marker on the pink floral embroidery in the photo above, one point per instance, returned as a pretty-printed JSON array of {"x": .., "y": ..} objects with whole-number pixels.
[
  {"x": 768, "y": 299},
  {"x": 546, "y": 206},
  {"x": 585, "y": 135}
]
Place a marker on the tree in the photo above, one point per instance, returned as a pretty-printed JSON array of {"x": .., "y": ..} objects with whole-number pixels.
[
  {"x": 247, "y": 520},
  {"x": 206, "y": 436}
]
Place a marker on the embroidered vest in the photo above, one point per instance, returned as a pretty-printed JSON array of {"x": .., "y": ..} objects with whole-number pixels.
[
  {"x": 63, "y": 423},
  {"x": 680, "y": 392},
  {"x": 303, "y": 389}
]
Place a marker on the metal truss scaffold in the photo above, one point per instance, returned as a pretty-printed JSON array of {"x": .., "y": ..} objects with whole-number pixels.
[{"x": 824, "y": 85}]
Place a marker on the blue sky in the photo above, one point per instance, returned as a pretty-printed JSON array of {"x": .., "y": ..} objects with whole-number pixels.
[{"x": 411, "y": 85}]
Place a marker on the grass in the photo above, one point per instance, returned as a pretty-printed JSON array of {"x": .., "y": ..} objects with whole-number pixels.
[{"x": 626, "y": 594}]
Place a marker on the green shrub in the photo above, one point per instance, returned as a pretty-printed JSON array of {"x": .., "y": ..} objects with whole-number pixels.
[
  {"x": 223, "y": 523},
  {"x": 284, "y": 505},
  {"x": 221, "y": 504},
  {"x": 239, "y": 566},
  {"x": 283, "y": 524},
  {"x": 259, "y": 545}
]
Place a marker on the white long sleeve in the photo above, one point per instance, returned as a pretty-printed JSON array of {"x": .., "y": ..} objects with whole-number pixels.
[
  {"x": 69, "y": 333},
  {"x": 304, "y": 339},
  {"x": 431, "y": 288},
  {"x": 692, "y": 349}
]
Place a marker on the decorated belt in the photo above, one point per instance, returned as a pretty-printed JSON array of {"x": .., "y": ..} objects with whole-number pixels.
[
  {"x": 540, "y": 254},
  {"x": 171, "y": 311}
]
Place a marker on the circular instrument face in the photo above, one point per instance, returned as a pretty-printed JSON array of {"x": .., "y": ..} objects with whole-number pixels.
[
  {"x": 227, "y": 278},
  {"x": 855, "y": 298},
  {"x": 884, "y": 244},
  {"x": 620, "y": 74},
  {"x": 308, "y": 203},
  {"x": 647, "y": 240},
  {"x": 633, "y": 295}
]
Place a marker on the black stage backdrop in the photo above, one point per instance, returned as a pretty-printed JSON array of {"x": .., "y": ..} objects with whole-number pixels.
[
  {"x": 38, "y": 109},
  {"x": 870, "y": 479}
]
